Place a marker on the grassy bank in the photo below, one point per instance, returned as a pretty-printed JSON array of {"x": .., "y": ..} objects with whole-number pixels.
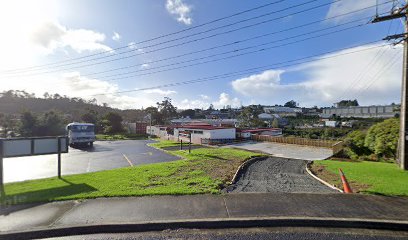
[
  {"x": 366, "y": 177},
  {"x": 202, "y": 171},
  {"x": 120, "y": 137}
]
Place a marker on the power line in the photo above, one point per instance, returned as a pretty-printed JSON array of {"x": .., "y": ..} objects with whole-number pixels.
[
  {"x": 226, "y": 52},
  {"x": 202, "y": 32},
  {"x": 288, "y": 63},
  {"x": 362, "y": 74},
  {"x": 126, "y": 57},
  {"x": 163, "y": 36}
]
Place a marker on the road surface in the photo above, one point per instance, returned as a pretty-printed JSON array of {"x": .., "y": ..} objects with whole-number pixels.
[
  {"x": 104, "y": 155},
  {"x": 286, "y": 150}
]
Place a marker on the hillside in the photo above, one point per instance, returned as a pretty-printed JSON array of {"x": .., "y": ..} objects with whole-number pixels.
[{"x": 16, "y": 102}]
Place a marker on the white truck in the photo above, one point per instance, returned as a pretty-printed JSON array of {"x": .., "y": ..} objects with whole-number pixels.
[{"x": 81, "y": 133}]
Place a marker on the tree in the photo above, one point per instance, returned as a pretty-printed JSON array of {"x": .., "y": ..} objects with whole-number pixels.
[
  {"x": 382, "y": 138},
  {"x": 291, "y": 104},
  {"x": 275, "y": 123},
  {"x": 166, "y": 109},
  {"x": 188, "y": 113},
  {"x": 28, "y": 124},
  {"x": 347, "y": 103},
  {"x": 90, "y": 117},
  {"x": 7, "y": 123},
  {"x": 248, "y": 118},
  {"x": 113, "y": 123},
  {"x": 50, "y": 124},
  {"x": 156, "y": 117}
]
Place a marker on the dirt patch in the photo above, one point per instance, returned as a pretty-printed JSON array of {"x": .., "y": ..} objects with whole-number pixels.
[{"x": 334, "y": 179}]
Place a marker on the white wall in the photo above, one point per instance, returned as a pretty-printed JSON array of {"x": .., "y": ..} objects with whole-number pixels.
[{"x": 222, "y": 133}]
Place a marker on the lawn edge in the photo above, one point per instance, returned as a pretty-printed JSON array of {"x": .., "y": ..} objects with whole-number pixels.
[{"x": 319, "y": 179}]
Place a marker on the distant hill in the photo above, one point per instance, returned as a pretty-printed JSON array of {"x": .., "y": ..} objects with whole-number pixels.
[{"x": 16, "y": 102}]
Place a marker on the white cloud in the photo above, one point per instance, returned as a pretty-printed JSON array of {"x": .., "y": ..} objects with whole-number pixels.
[
  {"x": 160, "y": 92},
  {"x": 132, "y": 45},
  {"x": 116, "y": 36},
  {"x": 204, "y": 97},
  {"x": 52, "y": 35},
  {"x": 192, "y": 104},
  {"x": 346, "y": 6},
  {"x": 180, "y": 10},
  {"x": 325, "y": 80},
  {"x": 145, "y": 65},
  {"x": 223, "y": 100}
]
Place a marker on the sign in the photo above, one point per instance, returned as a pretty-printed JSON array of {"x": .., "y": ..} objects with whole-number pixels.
[{"x": 21, "y": 147}]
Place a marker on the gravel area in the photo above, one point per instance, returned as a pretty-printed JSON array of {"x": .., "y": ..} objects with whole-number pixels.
[{"x": 276, "y": 174}]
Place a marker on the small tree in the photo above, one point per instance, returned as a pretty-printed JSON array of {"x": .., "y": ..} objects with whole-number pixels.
[
  {"x": 28, "y": 124},
  {"x": 114, "y": 123},
  {"x": 275, "y": 123}
]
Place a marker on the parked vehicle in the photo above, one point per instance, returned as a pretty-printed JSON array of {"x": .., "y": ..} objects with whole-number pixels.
[{"x": 81, "y": 133}]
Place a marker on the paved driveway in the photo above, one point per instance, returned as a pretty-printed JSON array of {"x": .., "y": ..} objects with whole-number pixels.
[
  {"x": 286, "y": 150},
  {"x": 104, "y": 155}
]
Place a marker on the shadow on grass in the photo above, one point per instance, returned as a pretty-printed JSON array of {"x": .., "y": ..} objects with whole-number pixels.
[{"x": 16, "y": 202}]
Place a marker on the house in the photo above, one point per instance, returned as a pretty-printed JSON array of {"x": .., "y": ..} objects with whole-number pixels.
[{"x": 205, "y": 134}]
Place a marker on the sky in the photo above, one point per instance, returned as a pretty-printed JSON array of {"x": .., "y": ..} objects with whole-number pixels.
[{"x": 132, "y": 54}]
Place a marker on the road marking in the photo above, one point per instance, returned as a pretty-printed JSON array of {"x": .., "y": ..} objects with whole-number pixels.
[{"x": 127, "y": 159}]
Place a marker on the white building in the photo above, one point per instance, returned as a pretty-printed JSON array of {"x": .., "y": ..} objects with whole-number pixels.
[
  {"x": 158, "y": 131},
  {"x": 206, "y": 133}
]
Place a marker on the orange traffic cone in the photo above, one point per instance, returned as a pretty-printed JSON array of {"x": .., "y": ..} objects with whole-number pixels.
[{"x": 346, "y": 186}]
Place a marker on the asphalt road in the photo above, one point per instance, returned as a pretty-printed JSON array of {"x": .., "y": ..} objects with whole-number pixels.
[
  {"x": 276, "y": 174},
  {"x": 254, "y": 233},
  {"x": 104, "y": 155}
]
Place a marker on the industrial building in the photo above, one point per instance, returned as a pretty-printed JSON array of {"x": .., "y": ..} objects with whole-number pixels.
[{"x": 388, "y": 111}]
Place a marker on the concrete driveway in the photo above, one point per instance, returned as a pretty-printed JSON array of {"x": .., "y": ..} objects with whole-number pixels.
[
  {"x": 103, "y": 156},
  {"x": 286, "y": 150}
]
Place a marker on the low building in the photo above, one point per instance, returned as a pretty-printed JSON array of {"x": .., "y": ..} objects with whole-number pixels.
[
  {"x": 246, "y": 133},
  {"x": 205, "y": 133},
  {"x": 331, "y": 123},
  {"x": 137, "y": 127},
  {"x": 158, "y": 131}
]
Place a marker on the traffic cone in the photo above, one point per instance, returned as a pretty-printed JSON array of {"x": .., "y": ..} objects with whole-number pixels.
[{"x": 346, "y": 186}]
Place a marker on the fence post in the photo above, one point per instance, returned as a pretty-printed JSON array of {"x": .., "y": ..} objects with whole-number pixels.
[
  {"x": 2, "y": 193},
  {"x": 59, "y": 157}
]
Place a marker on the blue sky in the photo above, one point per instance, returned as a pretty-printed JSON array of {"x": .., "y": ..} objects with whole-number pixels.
[{"x": 46, "y": 32}]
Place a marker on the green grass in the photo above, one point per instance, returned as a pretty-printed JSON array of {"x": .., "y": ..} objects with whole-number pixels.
[
  {"x": 202, "y": 171},
  {"x": 379, "y": 177},
  {"x": 166, "y": 143},
  {"x": 120, "y": 137}
]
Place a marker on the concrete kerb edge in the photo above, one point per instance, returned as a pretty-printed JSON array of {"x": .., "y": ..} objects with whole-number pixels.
[
  {"x": 319, "y": 179},
  {"x": 209, "y": 224}
]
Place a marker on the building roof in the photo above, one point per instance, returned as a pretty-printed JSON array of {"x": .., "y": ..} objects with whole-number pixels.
[
  {"x": 203, "y": 127},
  {"x": 260, "y": 130}
]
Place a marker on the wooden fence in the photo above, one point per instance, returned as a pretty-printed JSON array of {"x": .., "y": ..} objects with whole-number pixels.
[{"x": 336, "y": 146}]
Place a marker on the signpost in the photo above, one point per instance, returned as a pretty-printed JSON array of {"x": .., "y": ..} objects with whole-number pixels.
[{"x": 22, "y": 147}]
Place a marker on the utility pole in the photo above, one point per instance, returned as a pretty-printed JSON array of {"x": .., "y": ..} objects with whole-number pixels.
[{"x": 403, "y": 136}]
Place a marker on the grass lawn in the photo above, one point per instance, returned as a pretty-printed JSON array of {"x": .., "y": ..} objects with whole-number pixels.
[
  {"x": 202, "y": 171},
  {"x": 366, "y": 177},
  {"x": 120, "y": 137},
  {"x": 166, "y": 143}
]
